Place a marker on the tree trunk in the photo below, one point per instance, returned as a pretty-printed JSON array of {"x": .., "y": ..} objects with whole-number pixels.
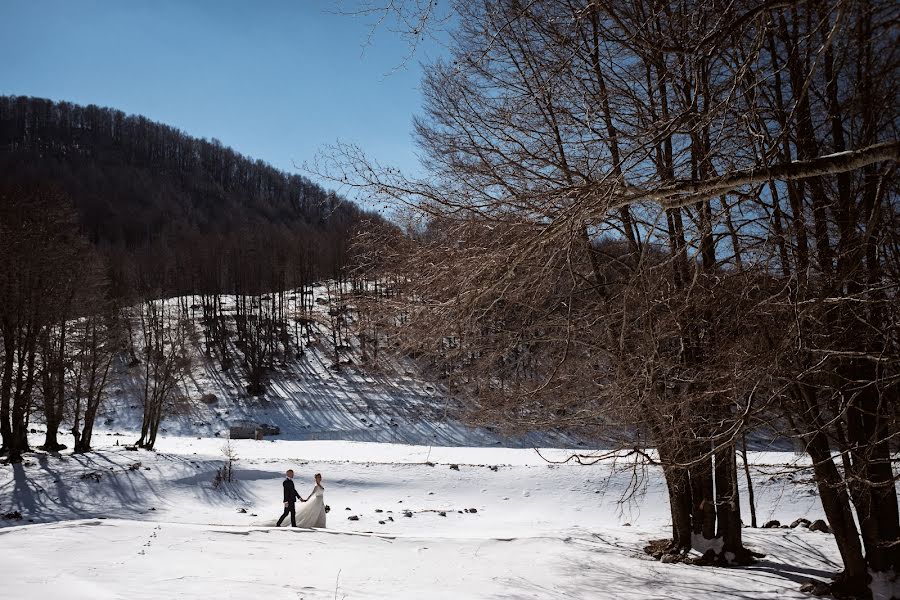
[
  {"x": 750, "y": 497},
  {"x": 679, "y": 486},
  {"x": 54, "y": 387},
  {"x": 704, "y": 506},
  {"x": 6, "y": 388},
  {"x": 836, "y": 504},
  {"x": 728, "y": 508},
  {"x": 872, "y": 485}
]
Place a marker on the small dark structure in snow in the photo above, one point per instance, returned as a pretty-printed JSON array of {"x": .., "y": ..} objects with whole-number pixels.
[{"x": 252, "y": 431}]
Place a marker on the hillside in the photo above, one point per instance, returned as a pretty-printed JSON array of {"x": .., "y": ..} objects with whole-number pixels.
[
  {"x": 159, "y": 201},
  {"x": 306, "y": 397}
]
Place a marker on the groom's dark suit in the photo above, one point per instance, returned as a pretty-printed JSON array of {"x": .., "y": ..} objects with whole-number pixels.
[{"x": 290, "y": 499}]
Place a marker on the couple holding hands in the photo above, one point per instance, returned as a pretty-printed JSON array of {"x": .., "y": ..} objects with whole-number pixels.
[{"x": 312, "y": 513}]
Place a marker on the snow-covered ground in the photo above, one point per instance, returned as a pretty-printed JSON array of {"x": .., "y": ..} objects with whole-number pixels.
[
  {"x": 439, "y": 509},
  {"x": 160, "y": 530}
]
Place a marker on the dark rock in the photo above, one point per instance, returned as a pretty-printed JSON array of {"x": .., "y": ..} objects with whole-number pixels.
[
  {"x": 773, "y": 524},
  {"x": 407, "y": 513},
  {"x": 656, "y": 548},
  {"x": 671, "y": 558},
  {"x": 327, "y": 509},
  {"x": 800, "y": 522},
  {"x": 353, "y": 518},
  {"x": 626, "y": 524},
  {"x": 454, "y": 467},
  {"x": 378, "y": 510},
  {"x": 242, "y": 510},
  {"x": 131, "y": 448},
  {"x": 13, "y": 516},
  {"x": 708, "y": 558},
  {"x": 95, "y": 475},
  {"x": 816, "y": 588},
  {"x": 442, "y": 513},
  {"x": 473, "y": 510},
  {"x": 390, "y": 518},
  {"x": 820, "y": 525},
  {"x": 381, "y": 522},
  {"x": 429, "y": 463},
  {"x": 209, "y": 399},
  {"x": 348, "y": 508}
]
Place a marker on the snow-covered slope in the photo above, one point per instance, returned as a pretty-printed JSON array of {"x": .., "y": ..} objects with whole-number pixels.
[{"x": 308, "y": 399}]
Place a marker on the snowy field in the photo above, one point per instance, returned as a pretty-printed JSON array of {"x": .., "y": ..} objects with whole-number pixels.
[
  {"x": 102, "y": 526},
  {"x": 422, "y": 506}
]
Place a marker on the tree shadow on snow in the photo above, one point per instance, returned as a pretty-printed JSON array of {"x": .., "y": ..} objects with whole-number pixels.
[
  {"x": 608, "y": 568},
  {"x": 56, "y": 490}
]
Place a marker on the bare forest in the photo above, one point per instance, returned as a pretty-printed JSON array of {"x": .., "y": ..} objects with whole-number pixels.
[
  {"x": 674, "y": 225},
  {"x": 103, "y": 217}
]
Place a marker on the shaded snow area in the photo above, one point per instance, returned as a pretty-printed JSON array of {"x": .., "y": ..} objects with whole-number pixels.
[
  {"x": 139, "y": 524},
  {"x": 306, "y": 397}
]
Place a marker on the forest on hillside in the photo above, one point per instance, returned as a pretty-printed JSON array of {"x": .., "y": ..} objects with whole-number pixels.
[
  {"x": 169, "y": 211},
  {"x": 103, "y": 217}
]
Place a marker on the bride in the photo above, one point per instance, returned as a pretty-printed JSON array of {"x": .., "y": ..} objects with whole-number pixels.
[{"x": 312, "y": 511}]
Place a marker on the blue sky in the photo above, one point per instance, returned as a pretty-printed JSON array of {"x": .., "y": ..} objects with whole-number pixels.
[{"x": 273, "y": 79}]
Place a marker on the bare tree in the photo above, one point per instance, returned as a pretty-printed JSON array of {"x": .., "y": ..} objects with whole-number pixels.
[
  {"x": 667, "y": 223},
  {"x": 163, "y": 335},
  {"x": 40, "y": 248}
]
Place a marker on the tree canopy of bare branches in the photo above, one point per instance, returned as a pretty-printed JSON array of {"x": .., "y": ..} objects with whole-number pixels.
[{"x": 669, "y": 223}]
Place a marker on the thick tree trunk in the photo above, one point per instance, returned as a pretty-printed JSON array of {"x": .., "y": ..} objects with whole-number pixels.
[
  {"x": 872, "y": 485},
  {"x": 703, "y": 512},
  {"x": 836, "y": 504},
  {"x": 728, "y": 508},
  {"x": 679, "y": 486},
  {"x": 51, "y": 441},
  {"x": 6, "y": 382},
  {"x": 21, "y": 399},
  {"x": 54, "y": 387}
]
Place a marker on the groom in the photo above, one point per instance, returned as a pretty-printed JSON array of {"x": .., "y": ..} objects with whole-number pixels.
[{"x": 290, "y": 499}]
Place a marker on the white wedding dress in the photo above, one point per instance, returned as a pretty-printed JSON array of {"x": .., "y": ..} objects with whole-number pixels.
[{"x": 312, "y": 512}]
